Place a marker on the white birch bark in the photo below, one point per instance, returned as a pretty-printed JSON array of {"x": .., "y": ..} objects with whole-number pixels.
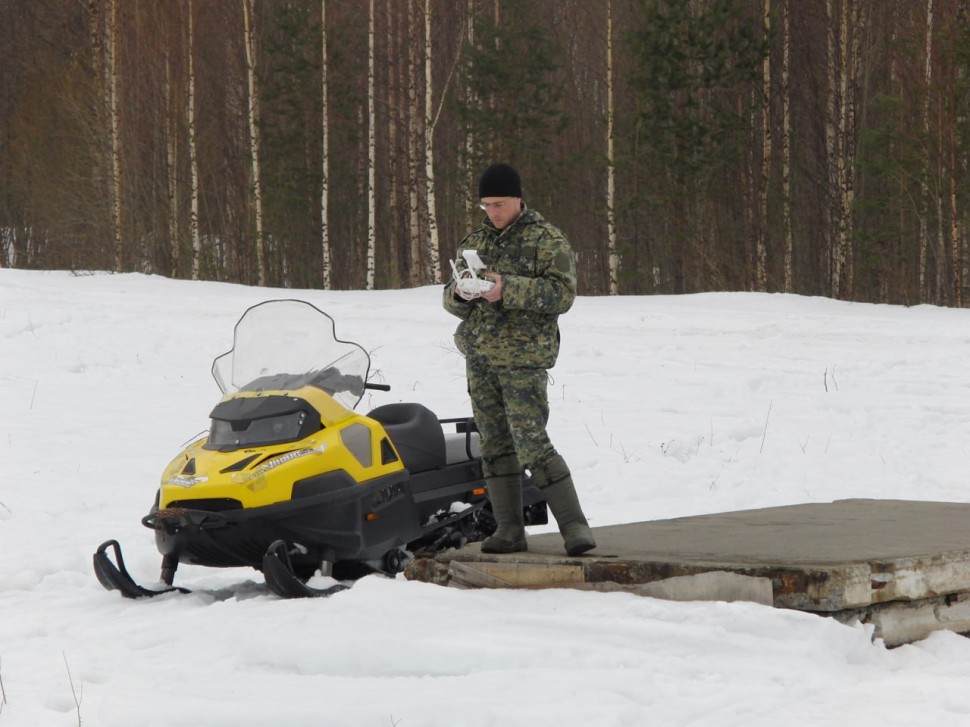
[
  {"x": 433, "y": 274},
  {"x": 325, "y": 152},
  {"x": 253, "y": 113}
]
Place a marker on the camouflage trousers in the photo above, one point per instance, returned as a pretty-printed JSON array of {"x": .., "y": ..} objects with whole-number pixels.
[{"x": 511, "y": 409}]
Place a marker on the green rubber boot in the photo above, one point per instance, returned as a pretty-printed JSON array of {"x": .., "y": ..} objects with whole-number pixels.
[
  {"x": 556, "y": 484},
  {"x": 503, "y": 480}
]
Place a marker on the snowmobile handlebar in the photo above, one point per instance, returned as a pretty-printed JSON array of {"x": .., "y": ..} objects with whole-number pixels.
[{"x": 378, "y": 387}]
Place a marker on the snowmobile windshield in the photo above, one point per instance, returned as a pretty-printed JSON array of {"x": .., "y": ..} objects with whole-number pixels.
[{"x": 283, "y": 345}]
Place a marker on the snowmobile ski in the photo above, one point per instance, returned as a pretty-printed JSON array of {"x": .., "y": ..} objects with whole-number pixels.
[
  {"x": 283, "y": 581},
  {"x": 115, "y": 577}
]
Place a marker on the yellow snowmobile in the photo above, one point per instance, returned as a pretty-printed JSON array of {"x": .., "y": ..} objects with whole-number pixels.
[{"x": 290, "y": 480}]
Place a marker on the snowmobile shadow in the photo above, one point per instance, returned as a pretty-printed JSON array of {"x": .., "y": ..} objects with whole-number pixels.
[
  {"x": 244, "y": 591},
  {"x": 251, "y": 589}
]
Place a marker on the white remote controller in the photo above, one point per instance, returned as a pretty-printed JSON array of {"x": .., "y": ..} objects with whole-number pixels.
[
  {"x": 475, "y": 286},
  {"x": 473, "y": 261},
  {"x": 469, "y": 285}
]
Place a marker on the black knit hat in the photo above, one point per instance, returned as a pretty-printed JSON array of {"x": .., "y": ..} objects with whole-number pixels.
[{"x": 500, "y": 180}]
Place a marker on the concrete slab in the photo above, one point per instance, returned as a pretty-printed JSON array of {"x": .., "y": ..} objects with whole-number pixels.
[{"x": 850, "y": 558}]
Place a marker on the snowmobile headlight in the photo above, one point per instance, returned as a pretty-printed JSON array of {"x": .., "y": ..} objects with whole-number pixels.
[
  {"x": 243, "y": 477},
  {"x": 185, "y": 480}
]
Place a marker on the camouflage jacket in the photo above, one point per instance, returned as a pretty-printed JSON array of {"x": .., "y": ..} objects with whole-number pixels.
[{"x": 539, "y": 282}]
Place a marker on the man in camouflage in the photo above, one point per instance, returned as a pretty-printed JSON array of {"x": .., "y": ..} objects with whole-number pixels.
[{"x": 510, "y": 337}]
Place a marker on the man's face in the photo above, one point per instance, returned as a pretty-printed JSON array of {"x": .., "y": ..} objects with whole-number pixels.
[{"x": 501, "y": 210}]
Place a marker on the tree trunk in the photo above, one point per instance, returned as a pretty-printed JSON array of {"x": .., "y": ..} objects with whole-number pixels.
[
  {"x": 614, "y": 257},
  {"x": 371, "y": 152},
  {"x": 433, "y": 274},
  {"x": 193, "y": 153},
  {"x": 397, "y": 113},
  {"x": 414, "y": 224},
  {"x": 253, "y": 113},
  {"x": 324, "y": 152},
  {"x": 112, "y": 48},
  {"x": 840, "y": 160},
  {"x": 761, "y": 255},
  {"x": 924, "y": 185},
  {"x": 831, "y": 155},
  {"x": 851, "y": 71},
  {"x": 472, "y": 102},
  {"x": 786, "y": 145},
  {"x": 956, "y": 252},
  {"x": 171, "y": 111}
]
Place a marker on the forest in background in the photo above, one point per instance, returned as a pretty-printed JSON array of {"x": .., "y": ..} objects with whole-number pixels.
[{"x": 819, "y": 147}]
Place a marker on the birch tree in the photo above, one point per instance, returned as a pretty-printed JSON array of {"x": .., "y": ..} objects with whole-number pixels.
[
  {"x": 193, "y": 152},
  {"x": 843, "y": 66},
  {"x": 324, "y": 152},
  {"x": 253, "y": 117},
  {"x": 434, "y": 268}
]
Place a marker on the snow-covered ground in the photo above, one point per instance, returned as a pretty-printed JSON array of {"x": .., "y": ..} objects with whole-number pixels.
[{"x": 663, "y": 407}]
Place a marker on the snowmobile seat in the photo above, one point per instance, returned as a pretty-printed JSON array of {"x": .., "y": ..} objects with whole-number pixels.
[
  {"x": 462, "y": 447},
  {"x": 416, "y": 434}
]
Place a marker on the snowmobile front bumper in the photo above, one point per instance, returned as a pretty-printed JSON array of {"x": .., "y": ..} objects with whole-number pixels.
[{"x": 358, "y": 522}]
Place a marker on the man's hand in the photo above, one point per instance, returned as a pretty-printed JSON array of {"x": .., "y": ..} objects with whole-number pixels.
[
  {"x": 468, "y": 286},
  {"x": 495, "y": 294}
]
